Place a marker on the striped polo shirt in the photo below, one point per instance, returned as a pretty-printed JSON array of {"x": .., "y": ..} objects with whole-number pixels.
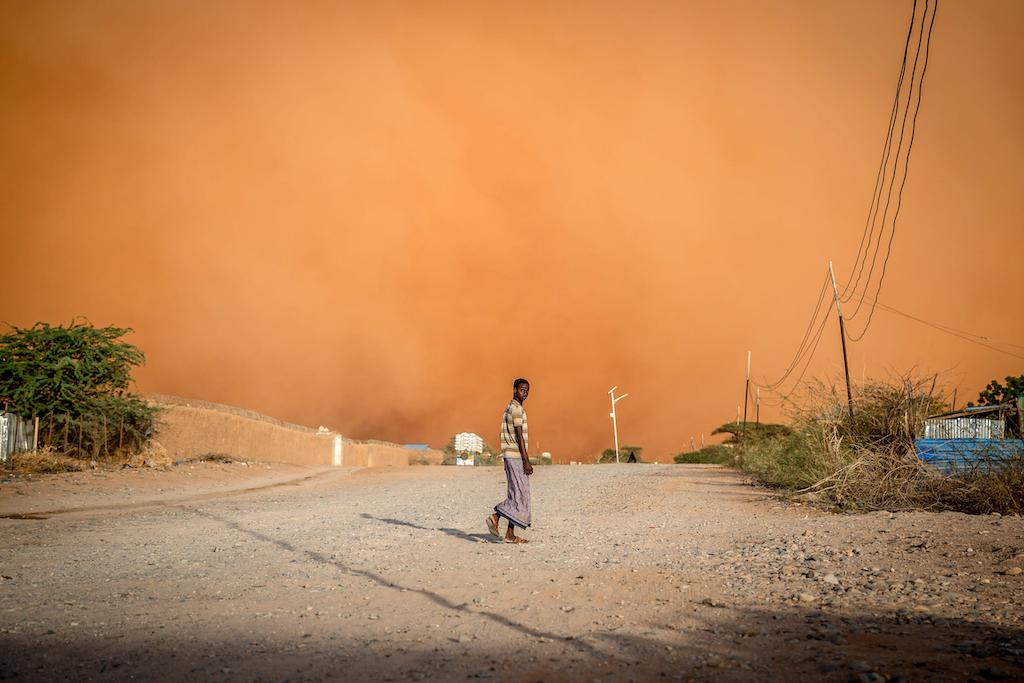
[{"x": 514, "y": 417}]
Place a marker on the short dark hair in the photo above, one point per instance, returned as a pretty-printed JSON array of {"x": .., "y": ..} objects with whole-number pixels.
[{"x": 519, "y": 380}]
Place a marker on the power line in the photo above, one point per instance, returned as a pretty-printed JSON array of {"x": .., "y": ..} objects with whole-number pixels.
[
  {"x": 906, "y": 167},
  {"x": 896, "y": 162},
  {"x": 886, "y": 182},
  {"x": 802, "y": 348},
  {"x": 869, "y": 223},
  {"x": 810, "y": 356},
  {"x": 806, "y": 350},
  {"x": 980, "y": 340}
]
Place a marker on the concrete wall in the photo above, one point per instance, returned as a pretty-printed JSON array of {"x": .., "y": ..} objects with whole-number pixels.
[{"x": 190, "y": 429}]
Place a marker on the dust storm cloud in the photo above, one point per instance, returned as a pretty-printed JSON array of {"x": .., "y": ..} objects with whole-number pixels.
[{"x": 374, "y": 216}]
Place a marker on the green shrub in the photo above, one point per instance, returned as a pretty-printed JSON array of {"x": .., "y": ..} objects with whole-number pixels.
[
  {"x": 77, "y": 381},
  {"x": 714, "y": 454},
  {"x": 608, "y": 454}
]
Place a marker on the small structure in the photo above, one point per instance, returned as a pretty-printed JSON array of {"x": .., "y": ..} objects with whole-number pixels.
[
  {"x": 468, "y": 442},
  {"x": 972, "y": 438},
  {"x": 467, "y": 446},
  {"x": 17, "y": 434}
]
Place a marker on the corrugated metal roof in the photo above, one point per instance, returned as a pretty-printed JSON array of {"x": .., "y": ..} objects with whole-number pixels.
[
  {"x": 964, "y": 428},
  {"x": 975, "y": 411}
]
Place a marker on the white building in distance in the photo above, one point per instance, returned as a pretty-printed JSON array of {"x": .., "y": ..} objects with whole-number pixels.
[{"x": 468, "y": 442}]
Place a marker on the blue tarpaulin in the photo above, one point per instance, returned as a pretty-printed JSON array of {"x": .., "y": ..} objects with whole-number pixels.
[{"x": 962, "y": 455}]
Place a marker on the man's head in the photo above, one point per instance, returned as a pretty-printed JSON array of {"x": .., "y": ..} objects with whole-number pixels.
[{"x": 520, "y": 389}]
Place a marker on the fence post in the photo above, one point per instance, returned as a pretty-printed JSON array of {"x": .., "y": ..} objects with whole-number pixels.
[{"x": 35, "y": 433}]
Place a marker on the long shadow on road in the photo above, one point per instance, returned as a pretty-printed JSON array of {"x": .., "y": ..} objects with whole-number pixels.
[
  {"x": 457, "y": 533},
  {"x": 831, "y": 646},
  {"x": 380, "y": 580}
]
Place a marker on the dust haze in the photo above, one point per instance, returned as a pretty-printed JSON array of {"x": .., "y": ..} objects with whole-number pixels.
[{"x": 374, "y": 216}]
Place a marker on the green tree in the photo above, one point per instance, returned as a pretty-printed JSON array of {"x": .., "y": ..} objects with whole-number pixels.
[
  {"x": 608, "y": 454},
  {"x": 77, "y": 380},
  {"x": 995, "y": 393}
]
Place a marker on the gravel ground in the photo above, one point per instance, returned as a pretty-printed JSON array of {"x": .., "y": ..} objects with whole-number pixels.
[{"x": 634, "y": 572}]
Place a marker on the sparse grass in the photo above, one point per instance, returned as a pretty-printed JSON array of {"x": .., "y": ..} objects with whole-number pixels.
[
  {"x": 44, "y": 461},
  {"x": 479, "y": 459},
  {"x": 47, "y": 460},
  {"x": 489, "y": 459},
  {"x": 868, "y": 462}
]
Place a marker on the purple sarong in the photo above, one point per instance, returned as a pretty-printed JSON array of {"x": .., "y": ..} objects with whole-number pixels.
[{"x": 516, "y": 507}]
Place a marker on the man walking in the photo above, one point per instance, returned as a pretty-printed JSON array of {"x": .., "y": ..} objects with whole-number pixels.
[{"x": 514, "y": 451}]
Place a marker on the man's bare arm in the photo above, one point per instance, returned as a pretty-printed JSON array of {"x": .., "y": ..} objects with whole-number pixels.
[{"x": 527, "y": 467}]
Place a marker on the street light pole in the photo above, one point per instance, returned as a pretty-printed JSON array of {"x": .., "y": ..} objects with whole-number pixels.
[{"x": 615, "y": 424}]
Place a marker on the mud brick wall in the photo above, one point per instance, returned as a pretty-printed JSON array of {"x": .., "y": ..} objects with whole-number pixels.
[
  {"x": 383, "y": 454},
  {"x": 189, "y": 429}
]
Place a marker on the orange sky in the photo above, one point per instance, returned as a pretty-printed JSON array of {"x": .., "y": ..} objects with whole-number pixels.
[{"x": 374, "y": 216}]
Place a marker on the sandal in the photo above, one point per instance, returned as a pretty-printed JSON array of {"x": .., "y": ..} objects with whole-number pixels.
[{"x": 516, "y": 539}]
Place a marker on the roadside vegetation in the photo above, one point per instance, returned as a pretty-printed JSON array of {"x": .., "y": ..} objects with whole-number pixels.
[
  {"x": 75, "y": 382},
  {"x": 866, "y": 462},
  {"x": 489, "y": 458},
  {"x": 626, "y": 454}
]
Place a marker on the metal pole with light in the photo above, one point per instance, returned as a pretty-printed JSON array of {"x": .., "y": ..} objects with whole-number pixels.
[{"x": 615, "y": 424}]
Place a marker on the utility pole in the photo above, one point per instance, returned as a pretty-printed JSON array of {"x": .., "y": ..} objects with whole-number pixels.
[
  {"x": 615, "y": 424},
  {"x": 746, "y": 390},
  {"x": 954, "y": 399},
  {"x": 842, "y": 337},
  {"x": 702, "y": 439},
  {"x": 757, "y": 407}
]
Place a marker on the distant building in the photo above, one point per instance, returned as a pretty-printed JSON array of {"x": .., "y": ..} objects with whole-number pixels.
[{"x": 468, "y": 442}]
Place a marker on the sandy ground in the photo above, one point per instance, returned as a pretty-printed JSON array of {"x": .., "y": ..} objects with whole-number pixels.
[{"x": 634, "y": 572}]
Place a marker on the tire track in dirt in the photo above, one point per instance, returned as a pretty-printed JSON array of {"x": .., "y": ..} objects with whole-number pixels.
[{"x": 168, "y": 502}]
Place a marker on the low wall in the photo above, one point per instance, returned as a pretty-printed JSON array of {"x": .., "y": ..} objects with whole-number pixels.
[
  {"x": 191, "y": 429},
  {"x": 188, "y": 431},
  {"x": 383, "y": 454}
]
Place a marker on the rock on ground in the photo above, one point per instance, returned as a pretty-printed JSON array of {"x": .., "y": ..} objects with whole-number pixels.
[{"x": 633, "y": 572}]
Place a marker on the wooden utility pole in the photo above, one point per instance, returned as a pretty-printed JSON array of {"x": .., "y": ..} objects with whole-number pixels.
[
  {"x": 842, "y": 337},
  {"x": 757, "y": 407},
  {"x": 746, "y": 390}
]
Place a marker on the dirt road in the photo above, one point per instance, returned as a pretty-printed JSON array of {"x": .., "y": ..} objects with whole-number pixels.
[{"x": 635, "y": 572}]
